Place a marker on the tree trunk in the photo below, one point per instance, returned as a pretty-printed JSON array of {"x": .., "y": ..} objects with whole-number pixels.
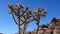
[
  {"x": 37, "y": 23},
  {"x": 25, "y": 25},
  {"x": 19, "y": 24},
  {"x": 24, "y": 29},
  {"x": 37, "y": 27},
  {"x": 18, "y": 28}
]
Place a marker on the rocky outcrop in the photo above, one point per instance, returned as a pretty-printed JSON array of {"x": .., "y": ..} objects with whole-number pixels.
[{"x": 52, "y": 28}]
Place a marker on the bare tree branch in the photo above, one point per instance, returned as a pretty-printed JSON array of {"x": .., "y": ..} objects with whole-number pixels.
[{"x": 14, "y": 19}]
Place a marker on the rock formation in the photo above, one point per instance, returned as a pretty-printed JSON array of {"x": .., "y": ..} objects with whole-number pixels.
[{"x": 52, "y": 28}]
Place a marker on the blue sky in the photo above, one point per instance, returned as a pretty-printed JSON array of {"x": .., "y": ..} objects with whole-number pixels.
[{"x": 7, "y": 25}]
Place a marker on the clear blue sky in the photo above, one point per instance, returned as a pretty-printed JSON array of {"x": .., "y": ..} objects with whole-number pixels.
[{"x": 7, "y": 25}]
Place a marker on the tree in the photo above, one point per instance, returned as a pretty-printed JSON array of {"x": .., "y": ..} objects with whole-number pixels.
[
  {"x": 21, "y": 13},
  {"x": 26, "y": 18},
  {"x": 16, "y": 11},
  {"x": 37, "y": 15}
]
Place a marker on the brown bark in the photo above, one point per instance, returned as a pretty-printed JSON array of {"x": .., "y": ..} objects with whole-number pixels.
[
  {"x": 18, "y": 24},
  {"x": 18, "y": 28},
  {"x": 24, "y": 29},
  {"x": 37, "y": 23},
  {"x": 25, "y": 25},
  {"x": 37, "y": 27}
]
